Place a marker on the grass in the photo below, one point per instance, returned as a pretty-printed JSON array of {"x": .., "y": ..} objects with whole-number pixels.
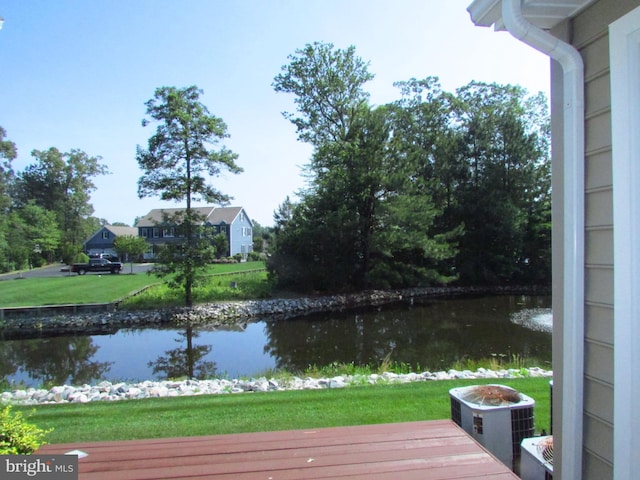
[
  {"x": 92, "y": 288},
  {"x": 495, "y": 362},
  {"x": 70, "y": 289},
  {"x": 246, "y": 286},
  {"x": 219, "y": 414},
  {"x": 251, "y": 412}
]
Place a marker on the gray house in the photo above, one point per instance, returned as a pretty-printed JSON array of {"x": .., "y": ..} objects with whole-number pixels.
[
  {"x": 102, "y": 241},
  {"x": 230, "y": 221},
  {"x": 594, "y": 47}
]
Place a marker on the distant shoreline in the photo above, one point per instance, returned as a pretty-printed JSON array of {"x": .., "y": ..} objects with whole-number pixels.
[{"x": 39, "y": 322}]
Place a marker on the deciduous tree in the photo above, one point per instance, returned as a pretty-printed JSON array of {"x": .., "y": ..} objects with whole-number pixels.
[
  {"x": 348, "y": 223},
  {"x": 8, "y": 153},
  {"x": 63, "y": 183},
  {"x": 130, "y": 247}
]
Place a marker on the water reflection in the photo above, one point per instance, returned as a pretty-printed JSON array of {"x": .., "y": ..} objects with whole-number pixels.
[
  {"x": 426, "y": 335},
  {"x": 429, "y": 335},
  {"x": 52, "y": 361},
  {"x": 186, "y": 360}
]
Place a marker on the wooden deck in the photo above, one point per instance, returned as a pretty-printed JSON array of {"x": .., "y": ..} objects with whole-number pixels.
[{"x": 433, "y": 450}]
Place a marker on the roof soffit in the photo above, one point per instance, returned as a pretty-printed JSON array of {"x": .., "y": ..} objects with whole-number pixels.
[{"x": 545, "y": 14}]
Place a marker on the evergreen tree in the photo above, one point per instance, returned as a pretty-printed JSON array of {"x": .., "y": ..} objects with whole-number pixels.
[
  {"x": 177, "y": 165},
  {"x": 350, "y": 227},
  {"x": 504, "y": 195}
]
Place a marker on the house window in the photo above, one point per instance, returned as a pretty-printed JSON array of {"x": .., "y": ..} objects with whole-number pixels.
[
  {"x": 156, "y": 233},
  {"x": 144, "y": 233},
  {"x": 223, "y": 229},
  {"x": 168, "y": 232},
  {"x": 105, "y": 234}
]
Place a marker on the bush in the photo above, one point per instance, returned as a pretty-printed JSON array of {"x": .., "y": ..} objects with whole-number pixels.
[
  {"x": 81, "y": 258},
  {"x": 17, "y": 437},
  {"x": 255, "y": 256}
]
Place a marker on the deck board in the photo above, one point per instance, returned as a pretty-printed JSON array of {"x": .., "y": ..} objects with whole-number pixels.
[{"x": 437, "y": 450}]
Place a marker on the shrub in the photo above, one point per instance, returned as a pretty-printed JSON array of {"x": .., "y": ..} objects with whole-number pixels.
[
  {"x": 81, "y": 258},
  {"x": 254, "y": 256},
  {"x": 17, "y": 437}
]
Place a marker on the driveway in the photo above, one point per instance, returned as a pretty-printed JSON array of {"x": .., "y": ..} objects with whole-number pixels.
[{"x": 57, "y": 271}]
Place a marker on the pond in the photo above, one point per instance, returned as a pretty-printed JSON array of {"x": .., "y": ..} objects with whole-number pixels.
[{"x": 429, "y": 334}]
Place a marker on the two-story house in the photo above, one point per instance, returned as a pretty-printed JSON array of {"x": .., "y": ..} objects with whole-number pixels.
[{"x": 233, "y": 222}]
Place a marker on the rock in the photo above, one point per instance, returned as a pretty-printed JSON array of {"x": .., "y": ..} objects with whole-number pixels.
[
  {"x": 106, "y": 391},
  {"x": 337, "y": 382},
  {"x": 78, "y": 397},
  {"x": 133, "y": 392}
]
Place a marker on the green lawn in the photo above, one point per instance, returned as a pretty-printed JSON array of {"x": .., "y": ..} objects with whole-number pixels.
[
  {"x": 219, "y": 414},
  {"x": 250, "y": 412},
  {"x": 90, "y": 288}
]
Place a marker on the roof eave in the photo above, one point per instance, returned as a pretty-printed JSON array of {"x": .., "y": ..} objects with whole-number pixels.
[
  {"x": 484, "y": 13},
  {"x": 544, "y": 14}
]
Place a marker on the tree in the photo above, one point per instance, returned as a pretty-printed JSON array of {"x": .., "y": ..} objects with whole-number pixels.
[
  {"x": 327, "y": 84},
  {"x": 130, "y": 247},
  {"x": 262, "y": 237},
  {"x": 63, "y": 183},
  {"x": 8, "y": 153},
  {"x": 350, "y": 229},
  {"x": 333, "y": 112},
  {"x": 504, "y": 192},
  {"x": 221, "y": 245},
  {"x": 34, "y": 235},
  {"x": 177, "y": 165}
]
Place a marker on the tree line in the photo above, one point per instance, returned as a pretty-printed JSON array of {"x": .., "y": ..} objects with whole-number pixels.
[
  {"x": 45, "y": 210},
  {"x": 432, "y": 188}
]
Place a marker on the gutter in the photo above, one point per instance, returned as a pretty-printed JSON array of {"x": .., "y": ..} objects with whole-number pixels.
[{"x": 572, "y": 229}]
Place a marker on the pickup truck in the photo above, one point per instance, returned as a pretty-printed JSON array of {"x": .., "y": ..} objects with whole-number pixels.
[{"x": 97, "y": 265}]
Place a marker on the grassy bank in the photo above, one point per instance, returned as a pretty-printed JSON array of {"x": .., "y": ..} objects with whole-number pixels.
[
  {"x": 219, "y": 287},
  {"x": 92, "y": 288},
  {"x": 249, "y": 412}
]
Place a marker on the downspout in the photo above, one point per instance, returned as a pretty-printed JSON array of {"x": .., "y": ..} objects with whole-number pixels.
[{"x": 570, "y": 465}]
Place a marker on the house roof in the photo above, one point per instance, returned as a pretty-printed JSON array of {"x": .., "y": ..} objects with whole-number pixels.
[
  {"x": 545, "y": 14},
  {"x": 212, "y": 215},
  {"x": 226, "y": 215},
  {"x": 156, "y": 216},
  {"x": 120, "y": 231}
]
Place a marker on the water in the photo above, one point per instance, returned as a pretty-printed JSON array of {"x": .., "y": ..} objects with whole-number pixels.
[{"x": 430, "y": 334}]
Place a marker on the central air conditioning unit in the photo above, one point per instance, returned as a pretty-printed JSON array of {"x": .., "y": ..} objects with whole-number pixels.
[
  {"x": 496, "y": 416},
  {"x": 536, "y": 462}
]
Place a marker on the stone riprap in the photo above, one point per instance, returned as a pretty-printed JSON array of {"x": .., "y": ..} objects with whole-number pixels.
[
  {"x": 213, "y": 315},
  {"x": 108, "y": 391}
]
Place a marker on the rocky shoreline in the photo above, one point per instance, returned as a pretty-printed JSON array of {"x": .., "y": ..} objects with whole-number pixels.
[
  {"x": 214, "y": 315},
  {"x": 108, "y": 391},
  {"x": 225, "y": 314}
]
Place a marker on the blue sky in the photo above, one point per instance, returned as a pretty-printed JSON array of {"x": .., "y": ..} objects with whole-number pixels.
[{"x": 76, "y": 74}]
